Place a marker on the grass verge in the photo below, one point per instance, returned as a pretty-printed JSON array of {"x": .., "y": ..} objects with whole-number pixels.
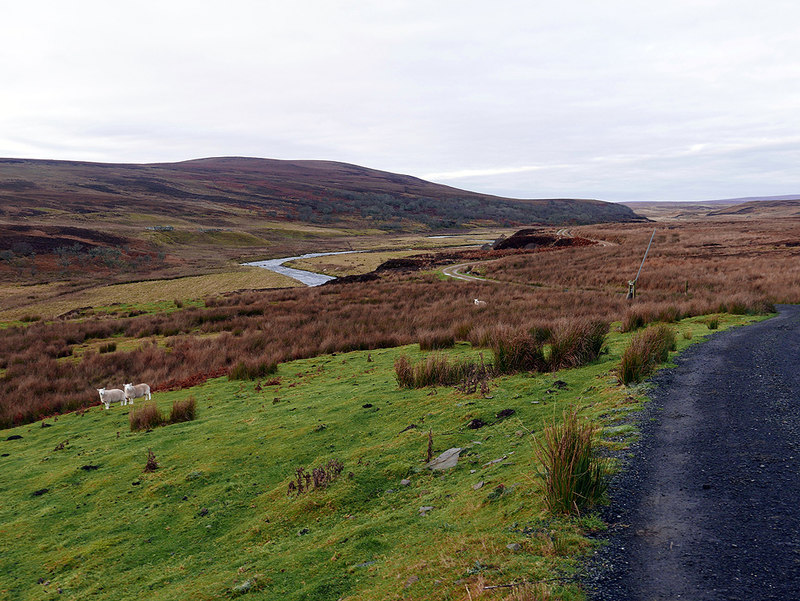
[{"x": 215, "y": 520}]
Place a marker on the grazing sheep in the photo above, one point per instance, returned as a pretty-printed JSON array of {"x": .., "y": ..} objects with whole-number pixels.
[
  {"x": 479, "y": 303},
  {"x": 134, "y": 392},
  {"x": 108, "y": 396}
]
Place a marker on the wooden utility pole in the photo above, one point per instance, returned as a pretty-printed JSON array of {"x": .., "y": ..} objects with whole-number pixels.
[{"x": 632, "y": 283}]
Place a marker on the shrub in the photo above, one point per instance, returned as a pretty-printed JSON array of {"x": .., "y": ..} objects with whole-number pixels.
[
  {"x": 252, "y": 370},
  {"x": 573, "y": 477},
  {"x": 645, "y": 351},
  {"x": 145, "y": 417},
  {"x": 712, "y": 323},
  {"x": 183, "y": 411},
  {"x": 576, "y": 344},
  {"x": 517, "y": 351},
  {"x": 109, "y": 347},
  {"x": 687, "y": 335},
  {"x": 431, "y": 340}
]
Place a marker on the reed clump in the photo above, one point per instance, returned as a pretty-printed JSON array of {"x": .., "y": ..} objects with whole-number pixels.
[
  {"x": 145, "y": 417},
  {"x": 573, "y": 344},
  {"x": 435, "y": 370},
  {"x": 573, "y": 477},
  {"x": 645, "y": 351}
]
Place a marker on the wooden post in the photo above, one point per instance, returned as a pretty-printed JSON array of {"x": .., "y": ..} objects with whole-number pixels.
[{"x": 632, "y": 283}]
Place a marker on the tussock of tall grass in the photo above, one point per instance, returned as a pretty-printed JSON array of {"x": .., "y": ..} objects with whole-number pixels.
[
  {"x": 574, "y": 478},
  {"x": 517, "y": 352},
  {"x": 252, "y": 370},
  {"x": 436, "y": 370},
  {"x": 434, "y": 340},
  {"x": 574, "y": 344},
  {"x": 645, "y": 351},
  {"x": 145, "y": 417},
  {"x": 183, "y": 411}
]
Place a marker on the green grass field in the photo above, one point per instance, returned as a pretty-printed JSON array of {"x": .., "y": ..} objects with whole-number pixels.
[
  {"x": 80, "y": 520},
  {"x": 147, "y": 295}
]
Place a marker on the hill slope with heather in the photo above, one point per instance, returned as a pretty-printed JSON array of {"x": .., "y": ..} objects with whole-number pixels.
[{"x": 218, "y": 191}]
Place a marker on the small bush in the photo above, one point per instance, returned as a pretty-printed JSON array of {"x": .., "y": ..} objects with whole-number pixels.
[
  {"x": 436, "y": 340},
  {"x": 573, "y": 477},
  {"x": 145, "y": 417},
  {"x": 687, "y": 335},
  {"x": 252, "y": 370},
  {"x": 645, "y": 351},
  {"x": 183, "y": 411},
  {"x": 576, "y": 344},
  {"x": 712, "y": 323}
]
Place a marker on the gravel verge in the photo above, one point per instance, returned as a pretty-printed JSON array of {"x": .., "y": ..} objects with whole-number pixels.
[{"x": 707, "y": 507}]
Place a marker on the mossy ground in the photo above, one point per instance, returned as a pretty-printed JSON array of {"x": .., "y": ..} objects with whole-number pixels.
[{"x": 215, "y": 519}]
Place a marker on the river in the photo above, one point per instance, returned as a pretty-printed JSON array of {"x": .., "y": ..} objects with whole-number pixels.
[{"x": 309, "y": 278}]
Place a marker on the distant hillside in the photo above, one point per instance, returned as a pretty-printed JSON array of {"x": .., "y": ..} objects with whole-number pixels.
[
  {"x": 789, "y": 207},
  {"x": 219, "y": 191},
  {"x": 754, "y": 206},
  {"x": 757, "y": 198}
]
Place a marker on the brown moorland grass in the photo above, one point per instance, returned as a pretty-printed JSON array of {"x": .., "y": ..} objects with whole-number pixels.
[{"x": 731, "y": 267}]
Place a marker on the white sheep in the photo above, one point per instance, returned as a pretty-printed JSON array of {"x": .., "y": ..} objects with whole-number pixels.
[
  {"x": 108, "y": 396},
  {"x": 479, "y": 303},
  {"x": 134, "y": 392}
]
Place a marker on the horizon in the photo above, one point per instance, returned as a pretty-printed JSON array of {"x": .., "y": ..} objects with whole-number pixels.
[
  {"x": 691, "y": 100},
  {"x": 692, "y": 200}
]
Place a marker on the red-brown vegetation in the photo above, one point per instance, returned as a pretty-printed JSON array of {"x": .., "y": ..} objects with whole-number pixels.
[{"x": 730, "y": 267}]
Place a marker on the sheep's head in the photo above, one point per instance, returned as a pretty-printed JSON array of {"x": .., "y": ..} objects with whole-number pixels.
[{"x": 101, "y": 390}]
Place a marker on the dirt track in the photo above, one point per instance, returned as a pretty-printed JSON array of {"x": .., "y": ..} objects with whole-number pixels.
[{"x": 708, "y": 507}]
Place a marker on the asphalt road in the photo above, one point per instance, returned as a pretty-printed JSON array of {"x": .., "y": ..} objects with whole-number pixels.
[{"x": 708, "y": 508}]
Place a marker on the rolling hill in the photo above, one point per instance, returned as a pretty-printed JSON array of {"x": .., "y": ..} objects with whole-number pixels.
[{"x": 219, "y": 192}]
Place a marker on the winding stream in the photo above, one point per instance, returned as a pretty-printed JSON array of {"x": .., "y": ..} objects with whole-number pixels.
[{"x": 309, "y": 278}]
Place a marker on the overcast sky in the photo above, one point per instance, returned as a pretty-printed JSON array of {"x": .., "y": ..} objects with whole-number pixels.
[{"x": 610, "y": 99}]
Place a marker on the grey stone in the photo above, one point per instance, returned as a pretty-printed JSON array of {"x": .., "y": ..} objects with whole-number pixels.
[
  {"x": 411, "y": 580},
  {"x": 513, "y": 547},
  {"x": 478, "y": 485},
  {"x": 446, "y": 460},
  {"x": 424, "y": 510},
  {"x": 494, "y": 461},
  {"x": 405, "y": 482}
]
